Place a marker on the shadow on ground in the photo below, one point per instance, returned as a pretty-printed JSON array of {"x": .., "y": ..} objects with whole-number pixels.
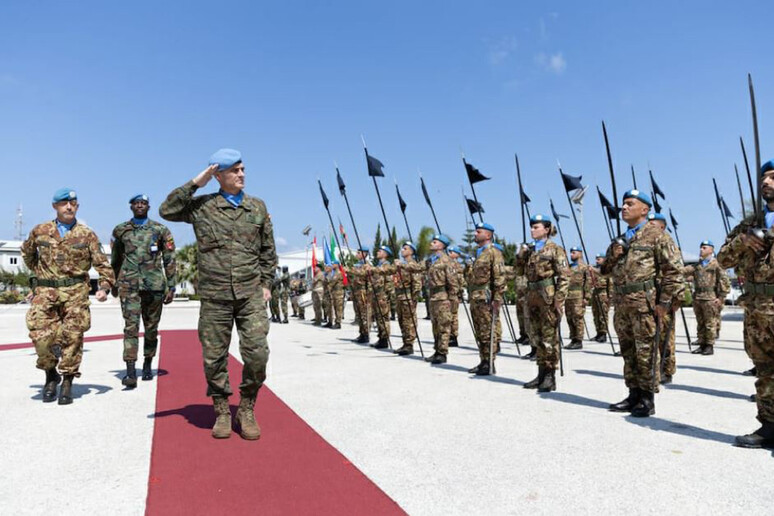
[{"x": 79, "y": 390}]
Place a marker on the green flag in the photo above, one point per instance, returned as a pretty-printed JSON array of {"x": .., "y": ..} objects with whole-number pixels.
[{"x": 333, "y": 248}]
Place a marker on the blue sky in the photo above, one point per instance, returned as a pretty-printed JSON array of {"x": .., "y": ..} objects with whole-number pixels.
[{"x": 117, "y": 98}]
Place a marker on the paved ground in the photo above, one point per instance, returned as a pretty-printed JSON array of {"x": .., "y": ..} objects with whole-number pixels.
[{"x": 435, "y": 439}]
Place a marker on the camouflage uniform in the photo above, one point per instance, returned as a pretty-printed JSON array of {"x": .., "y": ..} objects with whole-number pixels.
[
  {"x": 275, "y": 296},
  {"x": 548, "y": 278},
  {"x": 454, "y": 302},
  {"x": 381, "y": 276},
  {"x": 578, "y": 294},
  {"x": 143, "y": 260},
  {"x": 758, "y": 303},
  {"x": 600, "y": 300},
  {"x": 362, "y": 294},
  {"x": 389, "y": 288},
  {"x": 443, "y": 287},
  {"x": 486, "y": 283},
  {"x": 59, "y": 313},
  {"x": 318, "y": 290},
  {"x": 296, "y": 289},
  {"x": 237, "y": 259},
  {"x": 336, "y": 285},
  {"x": 646, "y": 275},
  {"x": 520, "y": 286},
  {"x": 710, "y": 283},
  {"x": 326, "y": 300},
  {"x": 409, "y": 285}
]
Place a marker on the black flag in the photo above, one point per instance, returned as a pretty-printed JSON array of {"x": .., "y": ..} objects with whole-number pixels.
[
  {"x": 474, "y": 176},
  {"x": 674, "y": 220},
  {"x": 401, "y": 201},
  {"x": 322, "y": 192},
  {"x": 725, "y": 208},
  {"x": 525, "y": 198},
  {"x": 656, "y": 189},
  {"x": 612, "y": 213},
  {"x": 556, "y": 215},
  {"x": 656, "y": 205},
  {"x": 603, "y": 200},
  {"x": 374, "y": 166},
  {"x": 342, "y": 188},
  {"x": 424, "y": 192},
  {"x": 474, "y": 207},
  {"x": 571, "y": 182}
]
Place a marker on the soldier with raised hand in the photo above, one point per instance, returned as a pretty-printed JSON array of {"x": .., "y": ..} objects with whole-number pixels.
[
  {"x": 237, "y": 258},
  {"x": 458, "y": 262},
  {"x": 600, "y": 299},
  {"x": 143, "y": 260},
  {"x": 362, "y": 293},
  {"x": 407, "y": 292},
  {"x": 710, "y": 288},
  {"x": 318, "y": 291},
  {"x": 578, "y": 294},
  {"x": 59, "y": 255},
  {"x": 486, "y": 284},
  {"x": 752, "y": 257},
  {"x": 544, "y": 264},
  {"x": 443, "y": 287},
  {"x": 382, "y": 273},
  {"x": 646, "y": 269}
]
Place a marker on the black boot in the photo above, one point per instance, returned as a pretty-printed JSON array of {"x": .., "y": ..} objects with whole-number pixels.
[
  {"x": 438, "y": 359},
  {"x": 474, "y": 370},
  {"x": 328, "y": 325},
  {"x": 362, "y": 339},
  {"x": 285, "y": 320},
  {"x": 761, "y": 438},
  {"x": 130, "y": 379},
  {"x": 549, "y": 381},
  {"x": 522, "y": 338},
  {"x": 602, "y": 337},
  {"x": 699, "y": 350},
  {"x": 574, "y": 344},
  {"x": 751, "y": 372},
  {"x": 405, "y": 350},
  {"x": 628, "y": 404},
  {"x": 484, "y": 370},
  {"x": 381, "y": 344},
  {"x": 336, "y": 326},
  {"x": 666, "y": 379},
  {"x": 533, "y": 384},
  {"x": 453, "y": 342},
  {"x": 65, "y": 393},
  {"x": 431, "y": 357},
  {"x": 532, "y": 353},
  {"x": 49, "y": 390},
  {"x": 709, "y": 349},
  {"x": 147, "y": 373},
  {"x": 646, "y": 406},
  {"x": 301, "y": 317}
]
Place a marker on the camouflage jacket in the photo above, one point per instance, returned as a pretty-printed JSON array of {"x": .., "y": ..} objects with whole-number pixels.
[
  {"x": 143, "y": 257},
  {"x": 284, "y": 282},
  {"x": 442, "y": 279},
  {"x": 580, "y": 282},
  {"x": 235, "y": 244},
  {"x": 51, "y": 257},
  {"x": 336, "y": 280},
  {"x": 297, "y": 286},
  {"x": 408, "y": 279},
  {"x": 547, "y": 271},
  {"x": 317, "y": 282},
  {"x": 487, "y": 274},
  {"x": 601, "y": 285},
  {"x": 652, "y": 265},
  {"x": 380, "y": 275},
  {"x": 754, "y": 268},
  {"x": 710, "y": 282},
  {"x": 358, "y": 276},
  {"x": 461, "y": 282}
]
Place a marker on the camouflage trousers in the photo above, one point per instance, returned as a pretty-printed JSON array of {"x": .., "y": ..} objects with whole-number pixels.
[
  {"x": 636, "y": 329},
  {"x": 707, "y": 321},
  {"x": 283, "y": 302},
  {"x": 382, "y": 314},
  {"x": 362, "y": 298},
  {"x": 337, "y": 305},
  {"x": 407, "y": 319},
  {"x": 543, "y": 320},
  {"x": 216, "y": 321},
  {"x": 59, "y": 316},
  {"x": 146, "y": 304},
  {"x": 481, "y": 313},
  {"x": 317, "y": 306},
  {"x": 297, "y": 310},
  {"x": 520, "y": 311},
  {"x": 600, "y": 308},
  {"x": 575, "y": 311},
  {"x": 274, "y": 304},
  {"x": 759, "y": 344},
  {"x": 454, "y": 308},
  {"x": 668, "y": 340},
  {"x": 440, "y": 315},
  {"x": 393, "y": 302},
  {"x": 327, "y": 305}
]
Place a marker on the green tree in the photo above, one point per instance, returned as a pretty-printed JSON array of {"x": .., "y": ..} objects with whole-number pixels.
[
  {"x": 423, "y": 241},
  {"x": 469, "y": 241},
  {"x": 377, "y": 242},
  {"x": 188, "y": 264}
]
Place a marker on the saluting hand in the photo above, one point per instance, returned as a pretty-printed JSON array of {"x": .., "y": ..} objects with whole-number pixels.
[{"x": 205, "y": 175}]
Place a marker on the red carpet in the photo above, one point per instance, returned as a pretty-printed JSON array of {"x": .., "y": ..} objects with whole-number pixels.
[
  {"x": 22, "y": 345},
  {"x": 290, "y": 470}
]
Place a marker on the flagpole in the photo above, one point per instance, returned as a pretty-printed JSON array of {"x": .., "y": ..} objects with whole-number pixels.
[
  {"x": 759, "y": 217},
  {"x": 634, "y": 178},
  {"x": 475, "y": 198},
  {"x": 741, "y": 195},
  {"x": 604, "y": 216},
  {"x": 720, "y": 206},
  {"x": 682, "y": 310},
  {"x": 574, "y": 218},
  {"x": 612, "y": 179},
  {"x": 403, "y": 210},
  {"x": 749, "y": 175},
  {"x": 558, "y": 225},
  {"x": 521, "y": 201},
  {"x": 427, "y": 198}
]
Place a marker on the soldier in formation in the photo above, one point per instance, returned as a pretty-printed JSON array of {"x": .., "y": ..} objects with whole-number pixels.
[
  {"x": 443, "y": 288},
  {"x": 408, "y": 275},
  {"x": 601, "y": 293},
  {"x": 318, "y": 291},
  {"x": 578, "y": 295},
  {"x": 710, "y": 288},
  {"x": 297, "y": 289}
]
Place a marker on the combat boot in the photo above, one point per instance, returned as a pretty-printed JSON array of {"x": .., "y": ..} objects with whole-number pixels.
[
  {"x": 147, "y": 372},
  {"x": 222, "y": 427},
  {"x": 317, "y": 323},
  {"x": 65, "y": 393},
  {"x": 362, "y": 339},
  {"x": 381, "y": 344},
  {"x": 431, "y": 357},
  {"x": 574, "y": 344},
  {"x": 531, "y": 355},
  {"x": 336, "y": 326},
  {"x": 130, "y": 379},
  {"x": 484, "y": 369},
  {"x": 52, "y": 380},
  {"x": 709, "y": 349},
  {"x": 285, "y": 320},
  {"x": 453, "y": 343},
  {"x": 474, "y": 370},
  {"x": 406, "y": 349},
  {"x": 698, "y": 350},
  {"x": 549, "y": 381},
  {"x": 328, "y": 325},
  {"x": 245, "y": 418},
  {"x": 438, "y": 359},
  {"x": 646, "y": 406},
  {"x": 602, "y": 337},
  {"x": 761, "y": 438},
  {"x": 301, "y": 317},
  {"x": 666, "y": 379},
  {"x": 627, "y": 404},
  {"x": 533, "y": 384}
]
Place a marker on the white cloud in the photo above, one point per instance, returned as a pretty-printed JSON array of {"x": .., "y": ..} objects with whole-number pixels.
[
  {"x": 279, "y": 241},
  {"x": 502, "y": 49},
  {"x": 555, "y": 63}
]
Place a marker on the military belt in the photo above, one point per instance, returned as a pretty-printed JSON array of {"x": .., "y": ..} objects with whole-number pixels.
[
  {"x": 575, "y": 288},
  {"x": 404, "y": 291},
  {"x": 474, "y": 288},
  {"x": 764, "y": 289},
  {"x": 62, "y": 282},
  {"x": 537, "y": 285},
  {"x": 631, "y": 288},
  {"x": 703, "y": 290}
]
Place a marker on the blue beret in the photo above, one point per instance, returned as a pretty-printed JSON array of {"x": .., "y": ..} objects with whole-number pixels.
[
  {"x": 600, "y": 255},
  {"x": 386, "y": 249},
  {"x": 708, "y": 242},
  {"x": 576, "y": 249},
  {"x": 364, "y": 249},
  {"x": 139, "y": 197},
  {"x": 767, "y": 167},
  {"x": 411, "y": 245},
  {"x": 640, "y": 196},
  {"x": 225, "y": 158},
  {"x": 657, "y": 216},
  {"x": 443, "y": 239},
  {"x": 485, "y": 225},
  {"x": 455, "y": 249},
  {"x": 64, "y": 194},
  {"x": 539, "y": 218}
]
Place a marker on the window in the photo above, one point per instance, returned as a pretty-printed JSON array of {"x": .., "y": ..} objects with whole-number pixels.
[{"x": 14, "y": 260}]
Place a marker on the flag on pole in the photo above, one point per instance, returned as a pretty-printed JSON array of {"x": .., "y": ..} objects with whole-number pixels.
[
  {"x": 674, "y": 220},
  {"x": 571, "y": 182},
  {"x": 333, "y": 248},
  {"x": 656, "y": 189},
  {"x": 474, "y": 207},
  {"x": 374, "y": 166},
  {"x": 400, "y": 200},
  {"x": 322, "y": 192},
  {"x": 342, "y": 188},
  {"x": 474, "y": 175},
  {"x": 314, "y": 256},
  {"x": 424, "y": 192},
  {"x": 326, "y": 252}
]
